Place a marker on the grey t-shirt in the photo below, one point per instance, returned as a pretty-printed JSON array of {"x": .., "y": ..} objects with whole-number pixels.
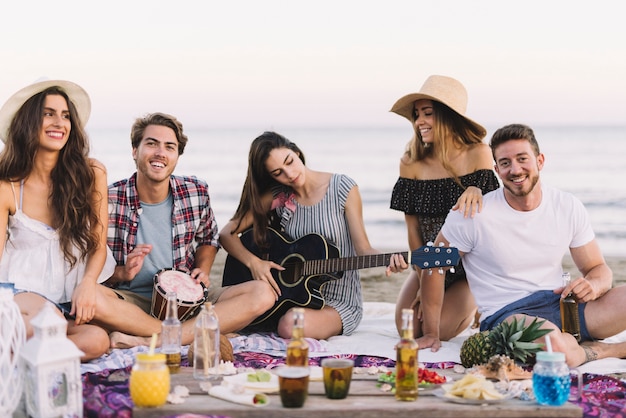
[{"x": 155, "y": 227}]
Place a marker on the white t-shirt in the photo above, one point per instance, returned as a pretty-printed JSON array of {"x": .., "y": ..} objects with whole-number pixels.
[{"x": 510, "y": 254}]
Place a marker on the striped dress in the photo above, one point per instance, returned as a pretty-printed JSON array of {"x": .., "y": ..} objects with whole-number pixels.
[{"x": 328, "y": 218}]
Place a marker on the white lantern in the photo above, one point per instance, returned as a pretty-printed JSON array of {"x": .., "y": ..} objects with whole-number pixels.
[
  {"x": 51, "y": 364},
  {"x": 12, "y": 337}
]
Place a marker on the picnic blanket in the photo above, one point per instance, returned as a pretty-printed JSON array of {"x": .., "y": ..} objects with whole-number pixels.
[{"x": 105, "y": 380}]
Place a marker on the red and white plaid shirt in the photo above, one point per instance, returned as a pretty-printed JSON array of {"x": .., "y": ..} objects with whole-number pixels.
[{"x": 193, "y": 220}]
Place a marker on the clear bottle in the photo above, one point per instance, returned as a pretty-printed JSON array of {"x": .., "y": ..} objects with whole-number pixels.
[
  {"x": 171, "y": 334},
  {"x": 406, "y": 360},
  {"x": 551, "y": 379},
  {"x": 298, "y": 348},
  {"x": 570, "y": 321},
  {"x": 206, "y": 344}
]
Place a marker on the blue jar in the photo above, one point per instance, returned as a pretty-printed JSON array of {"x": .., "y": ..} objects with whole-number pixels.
[{"x": 551, "y": 379}]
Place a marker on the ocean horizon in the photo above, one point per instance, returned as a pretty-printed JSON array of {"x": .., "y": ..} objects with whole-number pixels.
[{"x": 585, "y": 161}]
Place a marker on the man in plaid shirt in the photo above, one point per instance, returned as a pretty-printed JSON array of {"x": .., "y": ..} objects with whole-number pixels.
[{"x": 158, "y": 220}]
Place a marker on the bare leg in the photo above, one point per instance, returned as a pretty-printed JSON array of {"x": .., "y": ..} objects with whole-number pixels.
[
  {"x": 237, "y": 306},
  {"x": 115, "y": 314},
  {"x": 320, "y": 324},
  {"x": 576, "y": 354},
  {"x": 406, "y": 300},
  {"x": 90, "y": 339},
  {"x": 595, "y": 350},
  {"x": 30, "y": 304},
  {"x": 458, "y": 310},
  {"x": 606, "y": 316}
]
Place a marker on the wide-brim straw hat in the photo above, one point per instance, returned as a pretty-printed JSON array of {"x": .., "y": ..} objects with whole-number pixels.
[
  {"x": 76, "y": 94},
  {"x": 446, "y": 90}
]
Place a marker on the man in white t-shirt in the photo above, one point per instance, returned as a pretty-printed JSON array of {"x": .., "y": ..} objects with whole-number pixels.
[{"x": 513, "y": 251}]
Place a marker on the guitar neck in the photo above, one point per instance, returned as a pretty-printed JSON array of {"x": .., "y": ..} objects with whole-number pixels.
[{"x": 349, "y": 263}]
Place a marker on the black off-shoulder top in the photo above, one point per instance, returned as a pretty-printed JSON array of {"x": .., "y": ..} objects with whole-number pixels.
[{"x": 431, "y": 200}]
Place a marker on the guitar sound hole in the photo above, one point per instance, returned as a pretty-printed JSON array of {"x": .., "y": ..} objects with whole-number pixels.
[{"x": 293, "y": 270}]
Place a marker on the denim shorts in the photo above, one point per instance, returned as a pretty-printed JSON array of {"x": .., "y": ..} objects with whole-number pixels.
[
  {"x": 543, "y": 304},
  {"x": 65, "y": 307}
]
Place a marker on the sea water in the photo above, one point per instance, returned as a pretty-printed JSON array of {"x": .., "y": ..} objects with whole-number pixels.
[{"x": 586, "y": 161}]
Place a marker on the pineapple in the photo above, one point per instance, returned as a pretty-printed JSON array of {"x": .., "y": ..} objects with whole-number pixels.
[{"x": 512, "y": 339}]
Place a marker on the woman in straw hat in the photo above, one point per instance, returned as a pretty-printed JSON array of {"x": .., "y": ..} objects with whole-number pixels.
[
  {"x": 52, "y": 203},
  {"x": 445, "y": 165}
]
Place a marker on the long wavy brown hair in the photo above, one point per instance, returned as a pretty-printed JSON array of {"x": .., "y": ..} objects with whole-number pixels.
[
  {"x": 449, "y": 129},
  {"x": 259, "y": 182},
  {"x": 72, "y": 177}
]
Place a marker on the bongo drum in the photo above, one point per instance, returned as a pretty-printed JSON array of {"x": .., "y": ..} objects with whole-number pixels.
[{"x": 189, "y": 295}]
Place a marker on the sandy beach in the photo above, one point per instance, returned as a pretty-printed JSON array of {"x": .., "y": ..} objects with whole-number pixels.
[{"x": 379, "y": 288}]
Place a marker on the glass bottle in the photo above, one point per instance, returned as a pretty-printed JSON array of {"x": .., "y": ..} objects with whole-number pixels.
[
  {"x": 406, "y": 360},
  {"x": 171, "y": 334},
  {"x": 206, "y": 344},
  {"x": 298, "y": 348},
  {"x": 149, "y": 382},
  {"x": 551, "y": 379},
  {"x": 570, "y": 321}
]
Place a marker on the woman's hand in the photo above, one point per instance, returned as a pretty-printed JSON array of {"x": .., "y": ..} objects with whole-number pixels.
[
  {"x": 262, "y": 270},
  {"x": 426, "y": 341},
  {"x": 470, "y": 202},
  {"x": 396, "y": 264},
  {"x": 84, "y": 302}
]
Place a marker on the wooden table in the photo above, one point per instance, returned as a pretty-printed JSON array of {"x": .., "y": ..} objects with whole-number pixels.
[{"x": 364, "y": 401}]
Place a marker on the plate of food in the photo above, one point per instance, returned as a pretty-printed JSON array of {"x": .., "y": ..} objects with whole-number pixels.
[
  {"x": 428, "y": 388},
  {"x": 441, "y": 393},
  {"x": 471, "y": 390},
  {"x": 259, "y": 380},
  {"x": 428, "y": 381}
]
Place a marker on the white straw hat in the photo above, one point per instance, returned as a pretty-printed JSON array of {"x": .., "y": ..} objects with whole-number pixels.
[
  {"x": 78, "y": 96},
  {"x": 439, "y": 88}
]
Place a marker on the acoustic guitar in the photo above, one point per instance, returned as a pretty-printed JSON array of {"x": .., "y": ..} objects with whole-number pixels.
[{"x": 311, "y": 261}]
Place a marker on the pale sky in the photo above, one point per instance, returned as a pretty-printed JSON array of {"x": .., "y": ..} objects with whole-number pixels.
[{"x": 271, "y": 63}]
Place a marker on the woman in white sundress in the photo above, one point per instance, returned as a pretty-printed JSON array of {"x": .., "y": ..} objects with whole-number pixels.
[{"x": 52, "y": 203}]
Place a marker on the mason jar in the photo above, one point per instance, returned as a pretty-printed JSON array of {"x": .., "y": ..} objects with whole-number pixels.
[
  {"x": 149, "y": 380},
  {"x": 551, "y": 379}
]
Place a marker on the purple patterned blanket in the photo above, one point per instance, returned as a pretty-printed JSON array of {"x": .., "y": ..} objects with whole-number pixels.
[{"x": 106, "y": 392}]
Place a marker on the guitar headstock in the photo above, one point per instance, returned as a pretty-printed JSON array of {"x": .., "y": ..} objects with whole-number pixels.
[{"x": 429, "y": 257}]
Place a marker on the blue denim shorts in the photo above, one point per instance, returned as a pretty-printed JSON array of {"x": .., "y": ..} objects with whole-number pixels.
[
  {"x": 65, "y": 307},
  {"x": 543, "y": 304}
]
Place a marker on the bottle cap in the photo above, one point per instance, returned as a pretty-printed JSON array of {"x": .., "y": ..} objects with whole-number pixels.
[{"x": 554, "y": 356}]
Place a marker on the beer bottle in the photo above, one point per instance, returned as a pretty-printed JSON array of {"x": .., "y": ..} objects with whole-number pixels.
[
  {"x": 298, "y": 348},
  {"x": 171, "y": 334},
  {"x": 570, "y": 321},
  {"x": 406, "y": 360}
]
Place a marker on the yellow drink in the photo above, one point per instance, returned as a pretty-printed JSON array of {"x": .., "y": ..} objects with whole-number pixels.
[
  {"x": 298, "y": 348},
  {"x": 149, "y": 380},
  {"x": 406, "y": 360}
]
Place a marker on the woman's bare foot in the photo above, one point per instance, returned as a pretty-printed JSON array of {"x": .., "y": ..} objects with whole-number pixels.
[{"x": 121, "y": 340}]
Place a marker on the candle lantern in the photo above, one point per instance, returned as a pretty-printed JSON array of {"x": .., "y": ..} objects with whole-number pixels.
[
  {"x": 51, "y": 364},
  {"x": 13, "y": 338}
]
